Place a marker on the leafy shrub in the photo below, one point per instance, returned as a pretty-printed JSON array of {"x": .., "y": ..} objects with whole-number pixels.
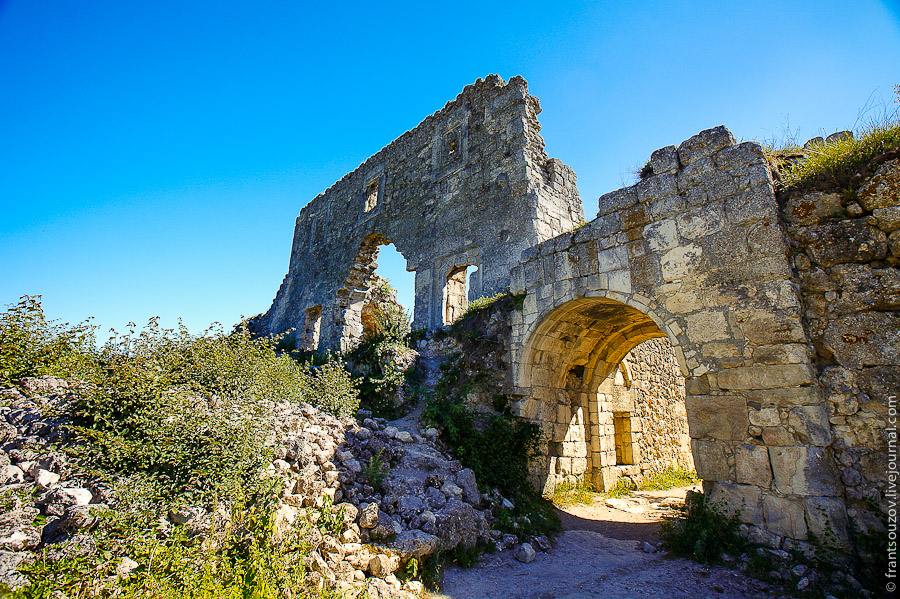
[
  {"x": 496, "y": 446},
  {"x": 241, "y": 560},
  {"x": 376, "y": 471},
  {"x": 31, "y": 345},
  {"x": 331, "y": 388},
  {"x": 702, "y": 531},
  {"x": 377, "y": 361}
]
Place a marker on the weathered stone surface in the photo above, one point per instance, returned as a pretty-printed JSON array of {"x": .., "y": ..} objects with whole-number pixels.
[
  {"x": 846, "y": 241},
  {"x": 706, "y": 143},
  {"x": 752, "y": 465},
  {"x": 785, "y": 516},
  {"x": 865, "y": 339},
  {"x": 826, "y": 518},
  {"x": 743, "y": 500},
  {"x": 710, "y": 460},
  {"x": 765, "y": 377},
  {"x": 883, "y": 190},
  {"x": 717, "y": 416},
  {"x": 804, "y": 471}
]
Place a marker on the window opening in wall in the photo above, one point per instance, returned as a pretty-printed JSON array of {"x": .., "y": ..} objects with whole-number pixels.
[
  {"x": 472, "y": 288},
  {"x": 456, "y": 292},
  {"x": 309, "y": 339},
  {"x": 391, "y": 265},
  {"x": 372, "y": 195},
  {"x": 452, "y": 148},
  {"x": 624, "y": 447}
]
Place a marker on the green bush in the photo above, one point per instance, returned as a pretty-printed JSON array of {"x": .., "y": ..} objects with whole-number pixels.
[
  {"x": 240, "y": 560},
  {"x": 31, "y": 345},
  {"x": 702, "y": 531},
  {"x": 374, "y": 361}
]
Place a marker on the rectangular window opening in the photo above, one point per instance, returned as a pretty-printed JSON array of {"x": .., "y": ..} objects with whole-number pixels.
[
  {"x": 372, "y": 195},
  {"x": 624, "y": 446}
]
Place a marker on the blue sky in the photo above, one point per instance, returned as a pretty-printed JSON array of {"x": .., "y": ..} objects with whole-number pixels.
[{"x": 154, "y": 155}]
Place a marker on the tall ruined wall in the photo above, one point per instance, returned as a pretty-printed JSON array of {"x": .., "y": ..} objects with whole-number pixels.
[
  {"x": 846, "y": 251},
  {"x": 469, "y": 186}
]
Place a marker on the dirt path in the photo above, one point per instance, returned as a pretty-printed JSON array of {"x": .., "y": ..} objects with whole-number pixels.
[{"x": 599, "y": 554}]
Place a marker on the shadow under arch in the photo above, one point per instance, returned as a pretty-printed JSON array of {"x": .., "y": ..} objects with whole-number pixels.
[{"x": 570, "y": 352}]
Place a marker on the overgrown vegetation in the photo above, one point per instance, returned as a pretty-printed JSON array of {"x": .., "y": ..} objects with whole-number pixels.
[
  {"x": 488, "y": 437},
  {"x": 381, "y": 362},
  {"x": 702, "y": 531},
  {"x": 841, "y": 165},
  {"x": 169, "y": 419}
]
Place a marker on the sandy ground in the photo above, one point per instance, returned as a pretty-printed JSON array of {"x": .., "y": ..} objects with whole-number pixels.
[{"x": 599, "y": 555}]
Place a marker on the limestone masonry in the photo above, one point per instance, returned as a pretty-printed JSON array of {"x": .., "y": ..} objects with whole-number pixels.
[
  {"x": 470, "y": 186},
  {"x": 774, "y": 328}
]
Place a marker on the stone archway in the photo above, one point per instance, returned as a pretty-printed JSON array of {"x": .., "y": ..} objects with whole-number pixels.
[
  {"x": 569, "y": 362},
  {"x": 695, "y": 251}
]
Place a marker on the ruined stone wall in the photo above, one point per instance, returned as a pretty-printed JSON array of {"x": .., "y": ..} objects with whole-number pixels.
[
  {"x": 846, "y": 251},
  {"x": 469, "y": 186}
]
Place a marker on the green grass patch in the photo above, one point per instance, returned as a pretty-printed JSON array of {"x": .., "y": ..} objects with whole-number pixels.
[
  {"x": 671, "y": 477},
  {"x": 836, "y": 165}
]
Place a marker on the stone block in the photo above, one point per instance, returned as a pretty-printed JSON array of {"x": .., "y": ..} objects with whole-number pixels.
[
  {"x": 782, "y": 353},
  {"x": 664, "y": 160},
  {"x": 706, "y": 143},
  {"x": 812, "y": 208},
  {"x": 755, "y": 204},
  {"x": 710, "y": 460},
  {"x": 617, "y": 200},
  {"x": 883, "y": 189},
  {"x": 888, "y": 218},
  {"x": 681, "y": 262},
  {"x": 785, "y": 516},
  {"x": 742, "y": 500},
  {"x": 803, "y": 470},
  {"x": 661, "y": 235},
  {"x": 810, "y": 425},
  {"x": 667, "y": 206},
  {"x": 845, "y": 241},
  {"x": 717, "y": 416},
  {"x": 826, "y": 518},
  {"x": 765, "y": 376},
  {"x": 702, "y": 221},
  {"x": 865, "y": 339},
  {"x": 614, "y": 258},
  {"x": 707, "y": 325},
  {"x": 766, "y": 328},
  {"x": 752, "y": 465},
  {"x": 740, "y": 156}
]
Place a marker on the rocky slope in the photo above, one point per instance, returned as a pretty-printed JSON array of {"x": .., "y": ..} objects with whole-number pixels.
[{"x": 400, "y": 496}]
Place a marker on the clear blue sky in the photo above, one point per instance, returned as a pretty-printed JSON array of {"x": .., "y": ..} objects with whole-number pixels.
[{"x": 154, "y": 155}]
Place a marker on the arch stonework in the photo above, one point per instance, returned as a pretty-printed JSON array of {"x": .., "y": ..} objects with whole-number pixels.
[
  {"x": 697, "y": 253},
  {"x": 471, "y": 184}
]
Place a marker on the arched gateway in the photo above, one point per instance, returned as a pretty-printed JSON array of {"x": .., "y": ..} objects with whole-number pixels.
[{"x": 696, "y": 253}]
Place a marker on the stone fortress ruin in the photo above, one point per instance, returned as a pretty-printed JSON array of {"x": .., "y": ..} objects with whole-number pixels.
[{"x": 693, "y": 321}]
